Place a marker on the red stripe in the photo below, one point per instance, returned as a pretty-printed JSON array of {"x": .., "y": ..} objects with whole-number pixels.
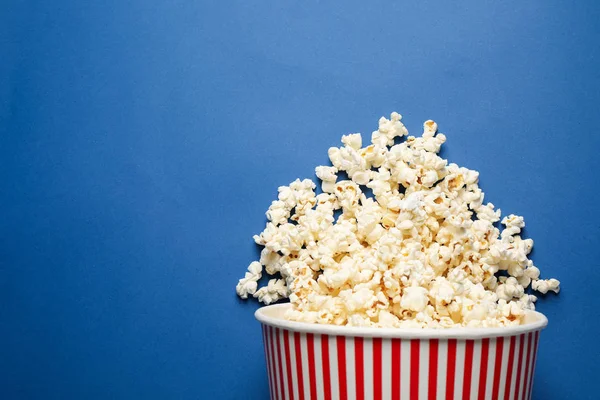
[
  {"x": 497, "y": 367},
  {"x": 433, "y": 365},
  {"x": 396, "y": 369},
  {"x": 535, "y": 346},
  {"x": 267, "y": 340},
  {"x": 341, "y": 359},
  {"x": 312, "y": 375},
  {"x": 377, "y": 389},
  {"x": 326, "y": 372},
  {"x": 511, "y": 360},
  {"x": 451, "y": 369},
  {"x": 519, "y": 365},
  {"x": 299, "y": 372},
  {"x": 414, "y": 368},
  {"x": 468, "y": 368},
  {"x": 359, "y": 368},
  {"x": 483, "y": 367},
  {"x": 288, "y": 364},
  {"x": 279, "y": 363},
  {"x": 527, "y": 364}
]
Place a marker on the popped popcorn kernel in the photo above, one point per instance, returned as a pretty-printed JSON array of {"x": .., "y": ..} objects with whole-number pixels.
[
  {"x": 423, "y": 251},
  {"x": 248, "y": 284}
]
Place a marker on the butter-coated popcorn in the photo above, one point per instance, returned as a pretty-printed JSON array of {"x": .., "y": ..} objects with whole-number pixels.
[{"x": 422, "y": 252}]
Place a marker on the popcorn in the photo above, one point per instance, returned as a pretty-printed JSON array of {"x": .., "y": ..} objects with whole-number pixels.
[
  {"x": 248, "y": 284},
  {"x": 388, "y": 130},
  {"x": 513, "y": 225},
  {"x": 354, "y": 140},
  {"x": 487, "y": 213},
  {"x": 414, "y": 298},
  {"x": 274, "y": 291},
  {"x": 328, "y": 176},
  {"x": 422, "y": 252},
  {"x": 543, "y": 286},
  {"x": 278, "y": 212}
]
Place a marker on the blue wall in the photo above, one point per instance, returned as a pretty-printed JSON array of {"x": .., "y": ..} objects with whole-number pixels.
[{"x": 142, "y": 141}]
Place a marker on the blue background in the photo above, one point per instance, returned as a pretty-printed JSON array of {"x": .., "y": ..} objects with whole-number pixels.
[{"x": 142, "y": 141}]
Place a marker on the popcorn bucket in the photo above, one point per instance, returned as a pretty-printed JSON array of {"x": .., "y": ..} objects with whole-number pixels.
[{"x": 311, "y": 361}]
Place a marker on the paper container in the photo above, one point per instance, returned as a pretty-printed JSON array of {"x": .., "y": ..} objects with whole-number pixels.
[{"x": 311, "y": 361}]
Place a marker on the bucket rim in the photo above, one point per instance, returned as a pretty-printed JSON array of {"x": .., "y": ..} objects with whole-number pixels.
[{"x": 272, "y": 315}]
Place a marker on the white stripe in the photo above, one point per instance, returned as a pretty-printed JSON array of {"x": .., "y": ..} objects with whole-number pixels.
[
  {"x": 534, "y": 362},
  {"x": 280, "y": 363},
  {"x": 386, "y": 369},
  {"x": 269, "y": 360},
  {"x": 489, "y": 381},
  {"x": 513, "y": 381},
  {"x": 442, "y": 370},
  {"x": 531, "y": 370},
  {"x": 405, "y": 370},
  {"x": 275, "y": 363},
  {"x": 522, "y": 362},
  {"x": 460, "y": 369},
  {"x": 475, "y": 368},
  {"x": 295, "y": 382},
  {"x": 319, "y": 368},
  {"x": 423, "y": 368},
  {"x": 534, "y": 350},
  {"x": 531, "y": 366},
  {"x": 528, "y": 374},
  {"x": 284, "y": 363},
  {"x": 350, "y": 371},
  {"x": 305, "y": 372},
  {"x": 333, "y": 366},
  {"x": 266, "y": 353},
  {"x": 523, "y": 367},
  {"x": 368, "y": 369},
  {"x": 528, "y": 368},
  {"x": 503, "y": 368}
]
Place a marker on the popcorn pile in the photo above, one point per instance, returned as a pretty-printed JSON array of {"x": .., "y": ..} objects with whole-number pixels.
[{"x": 423, "y": 251}]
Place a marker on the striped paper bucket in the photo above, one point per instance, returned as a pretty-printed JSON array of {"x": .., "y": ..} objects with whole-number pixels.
[{"x": 310, "y": 361}]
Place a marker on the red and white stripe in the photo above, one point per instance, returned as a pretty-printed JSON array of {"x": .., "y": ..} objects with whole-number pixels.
[{"x": 305, "y": 366}]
